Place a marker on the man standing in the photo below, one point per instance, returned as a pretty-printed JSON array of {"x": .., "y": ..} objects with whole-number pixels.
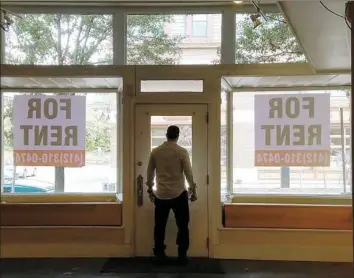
[{"x": 171, "y": 162}]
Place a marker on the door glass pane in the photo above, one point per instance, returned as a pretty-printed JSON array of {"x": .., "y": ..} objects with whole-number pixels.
[{"x": 159, "y": 125}]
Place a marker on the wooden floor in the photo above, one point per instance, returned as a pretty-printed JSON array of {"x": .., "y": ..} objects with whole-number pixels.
[{"x": 90, "y": 268}]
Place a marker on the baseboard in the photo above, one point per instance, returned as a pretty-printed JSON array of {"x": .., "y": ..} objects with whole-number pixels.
[
  {"x": 71, "y": 250},
  {"x": 284, "y": 245}
]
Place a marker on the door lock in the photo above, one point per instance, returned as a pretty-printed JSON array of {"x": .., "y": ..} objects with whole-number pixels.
[{"x": 140, "y": 190}]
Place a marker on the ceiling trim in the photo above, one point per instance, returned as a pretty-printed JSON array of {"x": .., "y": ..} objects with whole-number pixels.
[
  {"x": 59, "y": 90},
  {"x": 106, "y": 7},
  {"x": 283, "y": 69}
]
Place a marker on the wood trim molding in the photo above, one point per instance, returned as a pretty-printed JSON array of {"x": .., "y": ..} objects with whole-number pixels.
[
  {"x": 285, "y": 245},
  {"x": 282, "y": 216},
  {"x": 292, "y": 200},
  {"x": 49, "y": 242},
  {"x": 58, "y": 198},
  {"x": 61, "y": 214}
]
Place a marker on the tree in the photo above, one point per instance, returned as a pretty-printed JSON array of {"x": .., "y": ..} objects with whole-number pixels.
[
  {"x": 271, "y": 42},
  {"x": 64, "y": 39}
]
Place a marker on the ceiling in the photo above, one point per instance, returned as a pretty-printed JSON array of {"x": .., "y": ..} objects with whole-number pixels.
[
  {"x": 129, "y": 2},
  {"x": 286, "y": 82},
  {"x": 324, "y": 36}
]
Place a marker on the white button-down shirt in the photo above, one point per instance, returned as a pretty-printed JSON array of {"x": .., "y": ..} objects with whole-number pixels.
[{"x": 170, "y": 162}]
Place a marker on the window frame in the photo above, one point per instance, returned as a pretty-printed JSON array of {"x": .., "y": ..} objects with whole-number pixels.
[{"x": 296, "y": 199}]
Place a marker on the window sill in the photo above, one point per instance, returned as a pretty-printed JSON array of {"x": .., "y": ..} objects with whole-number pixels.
[
  {"x": 59, "y": 198},
  {"x": 291, "y": 199}
]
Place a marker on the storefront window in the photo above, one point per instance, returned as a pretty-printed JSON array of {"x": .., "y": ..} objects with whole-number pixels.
[
  {"x": 305, "y": 180},
  {"x": 100, "y": 170}
]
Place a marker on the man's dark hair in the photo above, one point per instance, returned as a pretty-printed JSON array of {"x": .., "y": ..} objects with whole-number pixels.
[{"x": 172, "y": 132}]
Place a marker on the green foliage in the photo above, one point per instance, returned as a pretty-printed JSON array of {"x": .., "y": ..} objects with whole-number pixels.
[
  {"x": 98, "y": 132},
  {"x": 60, "y": 39},
  {"x": 8, "y": 137},
  {"x": 271, "y": 42},
  {"x": 147, "y": 42}
]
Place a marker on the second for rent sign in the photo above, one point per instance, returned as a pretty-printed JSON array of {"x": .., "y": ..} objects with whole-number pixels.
[{"x": 292, "y": 130}]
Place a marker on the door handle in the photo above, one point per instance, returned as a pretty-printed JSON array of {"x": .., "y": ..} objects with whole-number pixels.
[{"x": 140, "y": 190}]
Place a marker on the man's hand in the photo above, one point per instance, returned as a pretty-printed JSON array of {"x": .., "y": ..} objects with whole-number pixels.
[
  {"x": 193, "y": 194},
  {"x": 194, "y": 197},
  {"x": 151, "y": 195}
]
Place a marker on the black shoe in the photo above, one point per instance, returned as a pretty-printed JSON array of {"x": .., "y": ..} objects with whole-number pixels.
[
  {"x": 182, "y": 260},
  {"x": 160, "y": 258}
]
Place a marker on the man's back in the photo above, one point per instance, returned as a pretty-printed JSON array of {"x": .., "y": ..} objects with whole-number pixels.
[{"x": 170, "y": 161}]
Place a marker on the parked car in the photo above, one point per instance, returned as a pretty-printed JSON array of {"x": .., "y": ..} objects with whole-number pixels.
[{"x": 24, "y": 188}]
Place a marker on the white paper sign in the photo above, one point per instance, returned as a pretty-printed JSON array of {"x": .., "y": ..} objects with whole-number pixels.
[
  {"x": 49, "y": 130},
  {"x": 292, "y": 130}
]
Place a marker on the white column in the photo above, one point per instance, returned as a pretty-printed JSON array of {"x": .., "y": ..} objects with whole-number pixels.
[
  {"x": 228, "y": 50},
  {"x": 119, "y": 38},
  {"x": 228, "y": 37},
  {"x": 119, "y": 58}
]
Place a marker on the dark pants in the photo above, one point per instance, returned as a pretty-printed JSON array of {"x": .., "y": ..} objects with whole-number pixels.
[{"x": 180, "y": 209}]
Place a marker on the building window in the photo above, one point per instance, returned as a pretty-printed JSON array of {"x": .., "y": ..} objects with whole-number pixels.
[{"x": 199, "y": 25}]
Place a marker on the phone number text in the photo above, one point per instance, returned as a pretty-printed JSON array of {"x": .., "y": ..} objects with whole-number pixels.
[
  {"x": 50, "y": 158},
  {"x": 292, "y": 158}
]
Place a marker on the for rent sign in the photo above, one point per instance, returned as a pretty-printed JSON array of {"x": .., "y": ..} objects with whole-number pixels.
[
  {"x": 292, "y": 130},
  {"x": 49, "y": 130}
]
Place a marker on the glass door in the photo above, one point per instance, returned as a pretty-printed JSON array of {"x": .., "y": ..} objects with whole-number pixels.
[{"x": 151, "y": 125}]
